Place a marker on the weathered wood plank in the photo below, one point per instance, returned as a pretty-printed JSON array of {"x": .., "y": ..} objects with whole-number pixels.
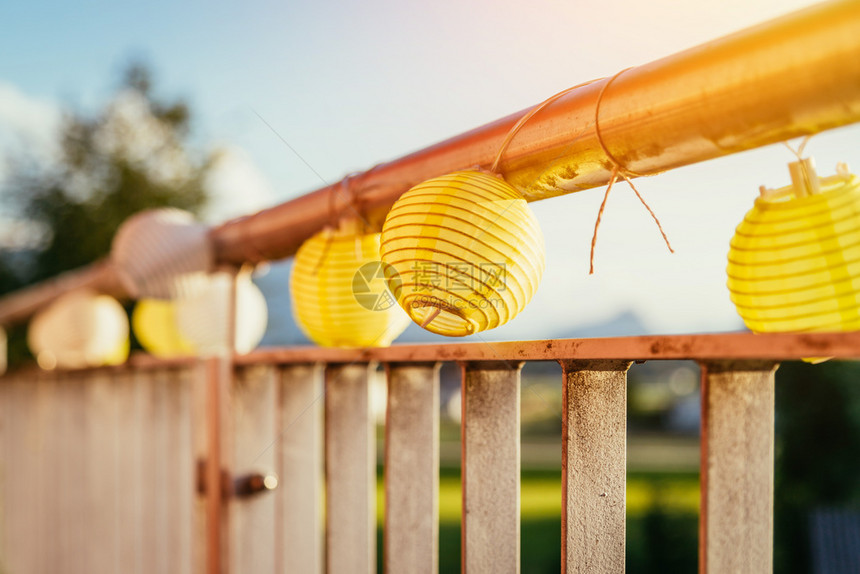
[
  {"x": 736, "y": 517},
  {"x": 491, "y": 467},
  {"x": 594, "y": 465},
  {"x": 103, "y": 489},
  {"x": 252, "y": 519},
  {"x": 412, "y": 469},
  {"x": 299, "y": 452},
  {"x": 199, "y": 441},
  {"x": 350, "y": 471},
  {"x": 181, "y": 493}
]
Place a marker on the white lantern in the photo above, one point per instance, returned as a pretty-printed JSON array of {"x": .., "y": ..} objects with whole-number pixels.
[
  {"x": 153, "y": 248},
  {"x": 80, "y": 329},
  {"x": 202, "y": 305}
]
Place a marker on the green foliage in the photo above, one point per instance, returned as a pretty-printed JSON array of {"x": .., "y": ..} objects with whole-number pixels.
[
  {"x": 818, "y": 441},
  {"x": 131, "y": 155}
]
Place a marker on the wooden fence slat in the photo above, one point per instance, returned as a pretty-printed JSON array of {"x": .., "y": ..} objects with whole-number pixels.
[
  {"x": 299, "y": 451},
  {"x": 350, "y": 471},
  {"x": 156, "y": 449},
  {"x": 252, "y": 519},
  {"x": 594, "y": 465},
  {"x": 182, "y": 483},
  {"x": 412, "y": 469},
  {"x": 736, "y": 516},
  {"x": 103, "y": 419},
  {"x": 491, "y": 467}
]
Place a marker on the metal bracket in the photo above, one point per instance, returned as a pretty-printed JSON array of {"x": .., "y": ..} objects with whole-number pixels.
[{"x": 243, "y": 486}]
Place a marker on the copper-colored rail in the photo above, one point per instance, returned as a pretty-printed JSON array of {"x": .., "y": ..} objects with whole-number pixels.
[
  {"x": 99, "y": 276},
  {"x": 796, "y": 75},
  {"x": 740, "y": 346}
]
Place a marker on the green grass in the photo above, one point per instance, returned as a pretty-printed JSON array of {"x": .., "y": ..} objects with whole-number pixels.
[{"x": 662, "y": 521}]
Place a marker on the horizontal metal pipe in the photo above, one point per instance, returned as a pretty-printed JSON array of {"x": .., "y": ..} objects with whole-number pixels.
[
  {"x": 797, "y": 75},
  {"x": 720, "y": 346},
  {"x": 20, "y": 305},
  {"x": 705, "y": 347}
]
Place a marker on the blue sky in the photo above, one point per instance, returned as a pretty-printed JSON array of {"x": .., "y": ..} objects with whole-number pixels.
[{"x": 351, "y": 84}]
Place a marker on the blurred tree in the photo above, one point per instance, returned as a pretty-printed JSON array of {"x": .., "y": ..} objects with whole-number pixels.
[{"x": 131, "y": 155}]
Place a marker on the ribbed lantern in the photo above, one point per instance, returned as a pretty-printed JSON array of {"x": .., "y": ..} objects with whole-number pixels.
[
  {"x": 79, "y": 329},
  {"x": 339, "y": 293},
  {"x": 794, "y": 262},
  {"x": 153, "y": 248},
  {"x": 464, "y": 253},
  {"x": 154, "y": 324}
]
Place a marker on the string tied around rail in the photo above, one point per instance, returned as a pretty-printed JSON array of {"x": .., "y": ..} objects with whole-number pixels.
[
  {"x": 357, "y": 225},
  {"x": 618, "y": 169}
]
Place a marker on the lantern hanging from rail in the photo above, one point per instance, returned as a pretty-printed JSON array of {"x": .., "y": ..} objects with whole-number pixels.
[
  {"x": 339, "y": 292},
  {"x": 79, "y": 329},
  {"x": 794, "y": 262},
  {"x": 153, "y": 248},
  {"x": 464, "y": 253},
  {"x": 154, "y": 324},
  {"x": 202, "y": 307}
]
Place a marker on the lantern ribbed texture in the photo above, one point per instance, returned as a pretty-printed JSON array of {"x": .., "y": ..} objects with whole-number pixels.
[
  {"x": 794, "y": 262},
  {"x": 339, "y": 293},
  {"x": 152, "y": 248},
  {"x": 464, "y": 253}
]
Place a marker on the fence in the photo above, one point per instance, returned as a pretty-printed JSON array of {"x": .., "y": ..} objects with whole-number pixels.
[{"x": 164, "y": 466}]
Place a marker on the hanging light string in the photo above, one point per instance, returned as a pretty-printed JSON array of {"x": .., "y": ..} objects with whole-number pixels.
[{"x": 617, "y": 168}]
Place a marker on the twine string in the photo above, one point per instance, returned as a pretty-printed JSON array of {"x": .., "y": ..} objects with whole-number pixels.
[
  {"x": 617, "y": 170},
  {"x": 798, "y": 153},
  {"x": 528, "y": 116},
  {"x": 600, "y": 216}
]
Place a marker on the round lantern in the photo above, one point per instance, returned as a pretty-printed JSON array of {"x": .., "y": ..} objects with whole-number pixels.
[
  {"x": 794, "y": 262},
  {"x": 339, "y": 292},
  {"x": 80, "y": 329},
  {"x": 464, "y": 253},
  {"x": 202, "y": 312},
  {"x": 154, "y": 324},
  {"x": 152, "y": 248}
]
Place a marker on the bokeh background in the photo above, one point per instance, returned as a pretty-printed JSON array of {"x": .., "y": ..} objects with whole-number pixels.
[{"x": 225, "y": 108}]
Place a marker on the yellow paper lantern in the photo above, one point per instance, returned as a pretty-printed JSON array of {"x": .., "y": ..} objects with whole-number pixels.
[
  {"x": 464, "y": 253},
  {"x": 154, "y": 325},
  {"x": 339, "y": 293},
  {"x": 79, "y": 329},
  {"x": 794, "y": 262}
]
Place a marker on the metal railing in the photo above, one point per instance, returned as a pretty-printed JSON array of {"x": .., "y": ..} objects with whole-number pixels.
[{"x": 99, "y": 465}]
